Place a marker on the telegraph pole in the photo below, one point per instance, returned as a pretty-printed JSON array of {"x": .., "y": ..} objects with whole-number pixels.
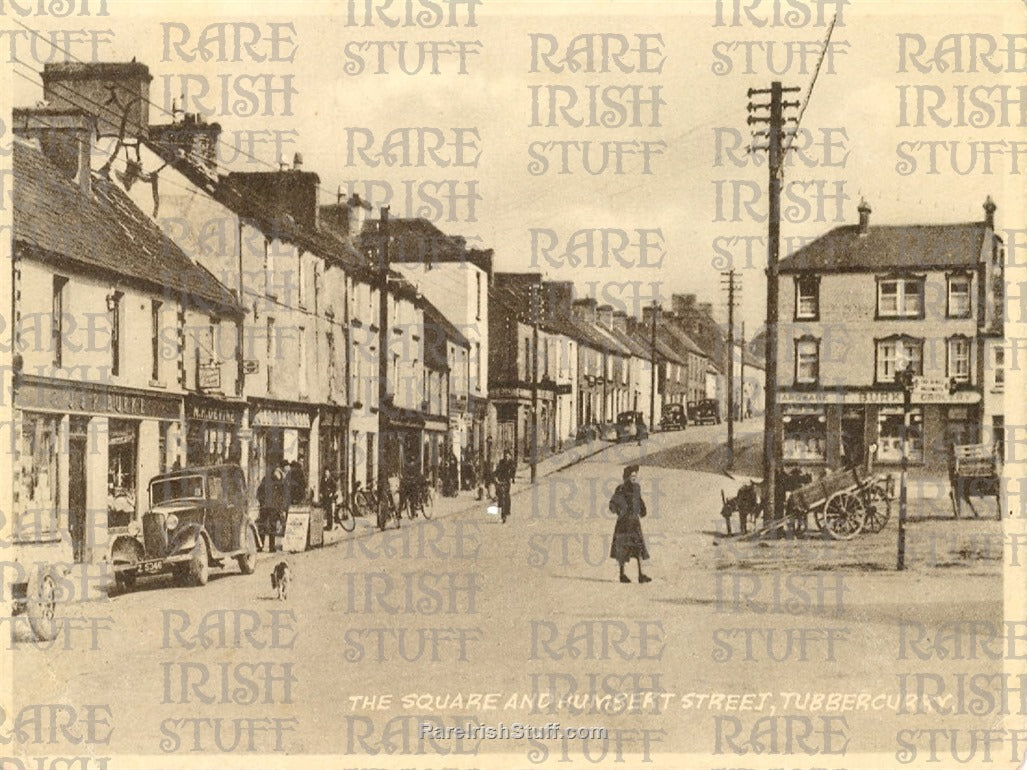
[
  {"x": 731, "y": 286},
  {"x": 774, "y": 135},
  {"x": 652, "y": 373},
  {"x": 383, "y": 354},
  {"x": 741, "y": 376},
  {"x": 535, "y": 302}
]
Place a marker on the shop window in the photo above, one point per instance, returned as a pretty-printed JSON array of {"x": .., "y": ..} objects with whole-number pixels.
[
  {"x": 57, "y": 327},
  {"x": 999, "y": 362},
  {"x": 807, "y": 298},
  {"x": 805, "y": 434},
  {"x": 122, "y": 441},
  {"x": 40, "y": 486},
  {"x": 900, "y": 298},
  {"x": 895, "y": 354},
  {"x": 889, "y": 433},
  {"x": 959, "y": 358},
  {"x": 807, "y": 361},
  {"x": 958, "y": 304}
]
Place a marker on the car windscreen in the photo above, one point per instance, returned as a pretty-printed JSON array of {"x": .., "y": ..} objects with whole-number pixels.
[{"x": 179, "y": 488}]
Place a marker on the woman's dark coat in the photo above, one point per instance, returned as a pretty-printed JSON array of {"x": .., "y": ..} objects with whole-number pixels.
[{"x": 628, "y": 542}]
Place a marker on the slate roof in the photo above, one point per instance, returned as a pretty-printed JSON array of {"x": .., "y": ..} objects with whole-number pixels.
[
  {"x": 106, "y": 233},
  {"x": 902, "y": 247}
]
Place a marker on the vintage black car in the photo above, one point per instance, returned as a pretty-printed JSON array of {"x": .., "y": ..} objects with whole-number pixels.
[
  {"x": 631, "y": 427},
  {"x": 673, "y": 417},
  {"x": 705, "y": 411},
  {"x": 198, "y": 518}
]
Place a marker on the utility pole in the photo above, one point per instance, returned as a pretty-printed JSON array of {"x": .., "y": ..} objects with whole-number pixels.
[
  {"x": 383, "y": 354},
  {"x": 535, "y": 303},
  {"x": 741, "y": 376},
  {"x": 731, "y": 287},
  {"x": 652, "y": 373},
  {"x": 774, "y": 134}
]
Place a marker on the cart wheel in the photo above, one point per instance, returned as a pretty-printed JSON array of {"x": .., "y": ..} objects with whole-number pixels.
[
  {"x": 843, "y": 515},
  {"x": 878, "y": 509},
  {"x": 42, "y": 605},
  {"x": 818, "y": 516}
]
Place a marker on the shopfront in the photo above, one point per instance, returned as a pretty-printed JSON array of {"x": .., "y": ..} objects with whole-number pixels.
[
  {"x": 332, "y": 443},
  {"x": 212, "y": 430},
  {"x": 837, "y": 429},
  {"x": 280, "y": 432},
  {"x": 85, "y": 455}
]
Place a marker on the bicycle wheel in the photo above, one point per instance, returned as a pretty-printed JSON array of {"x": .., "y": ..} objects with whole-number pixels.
[
  {"x": 427, "y": 502},
  {"x": 346, "y": 519},
  {"x": 361, "y": 504},
  {"x": 393, "y": 511},
  {"x": 878, "y": 509}
]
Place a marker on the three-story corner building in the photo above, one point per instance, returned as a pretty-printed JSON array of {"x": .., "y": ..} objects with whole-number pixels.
[
  {"x": 111, "y": 318},
  {"x": 863, "y": 302},
  {"x": 455, "y": 280}
]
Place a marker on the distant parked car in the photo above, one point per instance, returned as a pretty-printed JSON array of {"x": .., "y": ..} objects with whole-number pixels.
[
  {"x": 198, "y": 517},
  {"x": 704, "y": 411},
  {"x": 673, "y": 417},
  {"x": 631, "y": 427}
]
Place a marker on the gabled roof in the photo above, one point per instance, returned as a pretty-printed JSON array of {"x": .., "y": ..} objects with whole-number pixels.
[
  {"x": 883, "y": 247},
  {"x": 105, "y": 232}
]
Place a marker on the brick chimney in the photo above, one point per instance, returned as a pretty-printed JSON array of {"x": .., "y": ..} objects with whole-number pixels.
[
  {"x": 65, "y": 137},
  {"x": 193, "y": 136},
  {"x": 682, "y": 303},
  {"x": 864, "y": 216},
  {"x": 112, "y": 91},
  {"x": 270, "y": 196},
  {"x": 605, "y": 315},
  {"x": 585, "y": 310},
  {"x": 705, "y": 308},
  {"x": 559, "y": 298},
  {"x": 989, "y": 213},
  {"x": 647, "y": 316},
  {"x": 356, "y": 214}
]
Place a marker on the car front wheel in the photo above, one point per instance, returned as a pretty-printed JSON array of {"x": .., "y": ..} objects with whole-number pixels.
[
  {"x": 199, "y": 565},
  {"x": 248, "y": 560}
]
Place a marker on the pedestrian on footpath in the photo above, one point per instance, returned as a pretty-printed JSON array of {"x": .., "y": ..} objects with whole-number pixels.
[
  {"x": 505, "y": 473},
  {"x": 628, "y": 542}
]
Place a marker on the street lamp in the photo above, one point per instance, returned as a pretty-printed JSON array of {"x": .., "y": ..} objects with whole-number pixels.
[{"x": 905, "y": 377}]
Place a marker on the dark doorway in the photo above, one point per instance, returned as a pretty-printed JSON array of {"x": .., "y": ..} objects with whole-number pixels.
[
  {"x": 853, "y": 445},
  {"x": 77, "y": 519}
]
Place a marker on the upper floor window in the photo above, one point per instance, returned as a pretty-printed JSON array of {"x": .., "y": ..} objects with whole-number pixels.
[
  {"x": 155, "y": 340},
  {"x": 1000, "y": 367},
  {"x": 114, "y": 308},
  {"x": 57, "y": 328},
  {"x": 958, "y": 296},
  {"x": 894, "y": 354},
  {"x": 807, "y": 361},
  {"x": 807, "y": 298},
  {"x": 900, "y": 298},
  {"x": 959, "y": 358}
]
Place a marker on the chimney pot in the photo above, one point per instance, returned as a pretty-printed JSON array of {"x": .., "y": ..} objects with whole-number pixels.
[
  {"x": 297, "y": 161},
  {"x": 989, "y": 213},
  {"x": 864, "y": 216}
]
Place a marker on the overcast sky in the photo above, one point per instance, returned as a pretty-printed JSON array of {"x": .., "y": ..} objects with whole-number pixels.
[{"x": 858, "y": 92}]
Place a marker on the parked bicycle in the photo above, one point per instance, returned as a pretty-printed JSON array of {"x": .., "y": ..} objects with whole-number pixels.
[
  {"x": 365, "y": 502},
  {"x": 416, "y": 496},
  {"x": 344, "y": 515}
]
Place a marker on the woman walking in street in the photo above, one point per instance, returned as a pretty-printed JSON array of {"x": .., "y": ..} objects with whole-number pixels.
[{"x": 628, "y": 542}]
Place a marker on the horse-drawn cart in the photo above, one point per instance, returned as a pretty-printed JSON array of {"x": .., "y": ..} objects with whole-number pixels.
[
  {"x": 974, "y": 472},
  {"x": 843, "y": 503}
]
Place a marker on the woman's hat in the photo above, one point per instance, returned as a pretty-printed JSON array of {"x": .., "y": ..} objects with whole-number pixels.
[{"x": 629, "y": 470}]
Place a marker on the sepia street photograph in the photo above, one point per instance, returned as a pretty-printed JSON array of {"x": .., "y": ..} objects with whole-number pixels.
[{"x": 479, "y": 384}]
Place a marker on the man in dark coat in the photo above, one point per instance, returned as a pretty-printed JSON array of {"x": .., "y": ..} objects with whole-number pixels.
[
  {"x": 274, "y": 494},
  {"x": 505, "y": 473},
  {"x": 628, "y": 542}
]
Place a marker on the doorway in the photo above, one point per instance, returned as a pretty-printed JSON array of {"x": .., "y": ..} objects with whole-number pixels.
[
  {"x": 77, "y": 520},
  {"x": 853, "y": 444}
]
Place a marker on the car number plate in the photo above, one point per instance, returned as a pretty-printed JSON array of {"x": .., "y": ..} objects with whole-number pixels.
[{"x": 151, "y": 567}]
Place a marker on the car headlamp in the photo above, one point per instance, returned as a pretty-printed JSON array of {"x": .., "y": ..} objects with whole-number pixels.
[{"x": 171, "y": 522}]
